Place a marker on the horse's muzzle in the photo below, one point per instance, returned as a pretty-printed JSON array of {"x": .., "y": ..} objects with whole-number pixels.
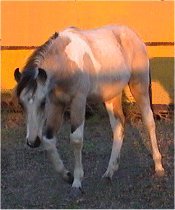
[{"x": 35, "y": 144}]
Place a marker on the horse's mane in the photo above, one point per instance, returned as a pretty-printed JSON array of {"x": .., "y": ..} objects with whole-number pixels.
[{"x": 30, "y": 70}]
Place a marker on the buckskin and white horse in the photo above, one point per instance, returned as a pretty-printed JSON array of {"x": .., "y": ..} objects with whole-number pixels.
[{"x": 74, "y": 66}]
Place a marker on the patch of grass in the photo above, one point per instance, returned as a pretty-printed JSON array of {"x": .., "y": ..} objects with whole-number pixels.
[
  {"x": 73, "y": 205},
  {"x": 94, "y": 119},
  {"x": 89, "y": 146},
  {"x": 29, "y": 180}
]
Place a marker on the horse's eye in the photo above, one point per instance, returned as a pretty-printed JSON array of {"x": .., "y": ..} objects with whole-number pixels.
[{"x": 43, "y": 102}]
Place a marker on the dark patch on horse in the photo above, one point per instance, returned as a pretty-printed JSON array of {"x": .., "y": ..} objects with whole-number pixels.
[
  {"x": 27, "y": 81},
  {"x": 43, "y": 103},
  {"x": 55, "y": 35},
  {"x": 73, "y": 128},
  {"x": 17, "y": 75},
  {"x": 49, "y": 133},
  {"x": 42, "y": 76}
]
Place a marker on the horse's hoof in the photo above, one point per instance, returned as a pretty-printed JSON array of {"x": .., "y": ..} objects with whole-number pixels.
[
  {"x": 69, "y": 178},
  {"x": 107, "y": 180},
  {"x": 160, "y": 173},
  {"x": 81, "y": 190},
  {"x": 75, "y": 193},
  {"x": 107, "y": 176}
]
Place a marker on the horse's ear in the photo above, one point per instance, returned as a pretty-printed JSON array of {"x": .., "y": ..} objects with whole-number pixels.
[
  {"x": 42, "y": 76},
  {"x": 17, "y": 74}
]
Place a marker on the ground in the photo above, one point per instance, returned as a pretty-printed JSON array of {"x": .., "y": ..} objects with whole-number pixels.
[{"x": 29, "y": 181}]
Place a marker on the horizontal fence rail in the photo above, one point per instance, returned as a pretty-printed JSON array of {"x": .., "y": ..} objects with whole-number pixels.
[{"x": 34, "y": 47}]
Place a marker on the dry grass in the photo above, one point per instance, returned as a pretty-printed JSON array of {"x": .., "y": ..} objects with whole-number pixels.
[{"x": 29, "y": 181}]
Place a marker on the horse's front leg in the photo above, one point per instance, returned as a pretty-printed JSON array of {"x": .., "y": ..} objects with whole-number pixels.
[
  {"x": 54, "y": 120},
  {"x": 76, "y": 137}
]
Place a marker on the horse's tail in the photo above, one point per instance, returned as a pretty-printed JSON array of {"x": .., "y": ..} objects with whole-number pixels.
[{"x": 150, "y": 89}]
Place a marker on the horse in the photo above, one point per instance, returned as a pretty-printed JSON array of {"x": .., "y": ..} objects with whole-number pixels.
[{"x": 72, "y": 67}]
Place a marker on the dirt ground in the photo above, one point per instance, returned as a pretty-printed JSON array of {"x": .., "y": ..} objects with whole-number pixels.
[{"x": 29, "y": 181}]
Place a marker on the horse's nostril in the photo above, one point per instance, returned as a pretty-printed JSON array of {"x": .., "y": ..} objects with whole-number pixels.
[{"x": 35, "y": 144}]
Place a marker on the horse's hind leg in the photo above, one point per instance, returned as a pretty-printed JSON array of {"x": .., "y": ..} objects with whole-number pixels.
[
  {"x": 139, "y": 86},
  {"x": 116, "y": 117}
]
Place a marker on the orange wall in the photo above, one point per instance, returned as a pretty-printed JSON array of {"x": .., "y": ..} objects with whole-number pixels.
[
  {"x": 31, "y": 23},
  {"x": 26, "y": 23}
]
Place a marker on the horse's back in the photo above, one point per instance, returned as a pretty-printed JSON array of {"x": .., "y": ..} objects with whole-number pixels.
[{"x": 113, "y": 45}]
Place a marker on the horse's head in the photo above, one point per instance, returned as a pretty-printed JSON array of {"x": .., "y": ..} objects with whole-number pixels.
[{"x": 31, "y": 91}]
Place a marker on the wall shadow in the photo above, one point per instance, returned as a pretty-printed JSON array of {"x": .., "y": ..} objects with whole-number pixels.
[{"x": 162, "y": 70}]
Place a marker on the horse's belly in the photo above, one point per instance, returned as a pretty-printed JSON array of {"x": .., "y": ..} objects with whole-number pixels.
[{"x": 105, "y": 91}]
